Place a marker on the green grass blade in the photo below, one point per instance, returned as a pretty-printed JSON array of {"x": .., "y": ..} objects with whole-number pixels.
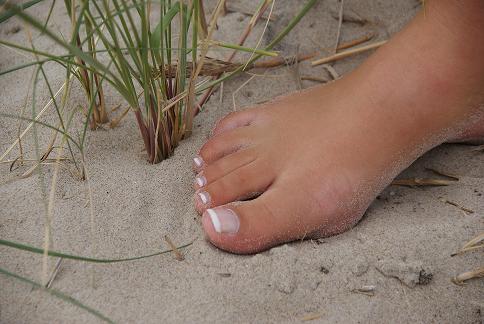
[
  {"x": 196, "y": 10},
  {"x": 273, "y": 43},
  {"x": 163, "y": 24},
  {"x": 291, "y": 24},
  {"x": 33, "y": 249},
  {"x": 49, "y": 14},
  {"x": 29, "y": 64},
  {"x": 182, "y": 57},
  {"x": 42, "y": 124},
  {"x": 246, "y": 49},
  {"x": 9, "y": 13},
  {"x": 56, "y": 58},
  {"x": 71, "y": 48},
  {"x": 57, "y": 294}
]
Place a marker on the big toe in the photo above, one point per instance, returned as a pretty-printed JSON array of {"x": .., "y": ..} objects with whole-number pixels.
[{"x": 256, "y": 225}]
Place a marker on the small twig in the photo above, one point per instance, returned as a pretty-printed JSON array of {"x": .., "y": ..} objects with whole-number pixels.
[
  {"x": 332, "y": 72},
  {"x": 460, "y": 279},
  {"x": 312, "y": 78},
  {"x": 418, "y": 182},
  {"x": 54, "y": 273},
  {"x": 356, "y": 42},
  {"x": 365, "y": 290},
  {"x": 221, "y": 93},
  {"x": 471, "y": 248},
  {"x": 178, "y": 255},
  {"x": 348, "y": 53},
  {"x": 278, "y": 61},
  {"x": 311, "y": 317},
  {"x": 340, "y": 23},
  {"x": 474, "y": 244},
  {"x": 15, "y": 161},
  {"x": 225, "y": 274},
  {"x": 444, "y": 174},
  {"x": 467, "y": 210}
]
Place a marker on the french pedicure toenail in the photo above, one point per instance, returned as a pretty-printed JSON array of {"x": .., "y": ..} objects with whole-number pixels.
[
  {"x": 224, "y": 220},
  {"x": 198, "y": 161},
  {"x": 200, "y": 180},
  {"x": 204, "y": 197}
]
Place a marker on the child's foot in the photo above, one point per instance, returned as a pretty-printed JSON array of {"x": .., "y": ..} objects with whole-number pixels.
[{"x": 315, "y": 160}]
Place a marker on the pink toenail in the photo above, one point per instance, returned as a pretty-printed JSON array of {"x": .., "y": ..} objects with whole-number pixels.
[
  {"x": 224, "y": 220},
  {"x": 200, "y": 180},
  {"x": 198, "y": 161},
  {"x": 204, "y": 197}
]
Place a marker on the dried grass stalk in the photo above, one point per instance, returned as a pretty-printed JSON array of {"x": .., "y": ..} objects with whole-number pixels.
[
  {"x": 463, "y": 277},
  {"x": 474, "y": 244},
  {"x": 421, "y": 182},
  {"x": 348, "y": 53}
]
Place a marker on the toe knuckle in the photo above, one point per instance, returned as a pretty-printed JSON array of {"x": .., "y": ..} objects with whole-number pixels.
[
  {"x": 210, "y": 147},
  {"x": 217, "y": 190},
  {"x": 224, "y": 120}
]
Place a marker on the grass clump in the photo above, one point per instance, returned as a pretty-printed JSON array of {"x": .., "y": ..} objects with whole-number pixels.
[
  {"x": 159, "y": 69},
  {"x": 89, "y": 80}
]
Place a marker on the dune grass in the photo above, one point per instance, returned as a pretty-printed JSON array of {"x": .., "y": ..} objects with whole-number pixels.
[
  {"x": 33, "y": 249},
  {"x": 134, "y": 51},
  {"x": 89, "y": 80}
]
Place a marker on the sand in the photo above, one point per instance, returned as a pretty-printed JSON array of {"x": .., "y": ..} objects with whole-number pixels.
[{"x": 136, "y": 204}]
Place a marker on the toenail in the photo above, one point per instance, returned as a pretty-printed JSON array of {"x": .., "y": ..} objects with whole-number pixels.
[
  {"x": 198, "y": 161},
  {"x": 224, "y": 220},
  {"x": 204, "y": 197},
  {"x": 200, "y": 180}
]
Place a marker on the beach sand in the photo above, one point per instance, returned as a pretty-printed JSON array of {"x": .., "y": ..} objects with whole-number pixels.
[{"x": 136, "y": 204}]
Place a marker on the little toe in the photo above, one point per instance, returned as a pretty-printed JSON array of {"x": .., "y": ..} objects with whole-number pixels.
[{"x": 234, "y": 120}]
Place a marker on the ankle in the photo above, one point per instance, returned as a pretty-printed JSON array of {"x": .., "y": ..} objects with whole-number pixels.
[{"x": 438, "y": 71}]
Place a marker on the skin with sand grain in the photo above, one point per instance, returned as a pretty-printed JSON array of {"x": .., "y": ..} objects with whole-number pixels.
[{"x": 319, "y": 168}]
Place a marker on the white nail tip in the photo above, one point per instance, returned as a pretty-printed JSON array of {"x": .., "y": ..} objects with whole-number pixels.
[
  {"x": 224, "y": 220},
  {"x": 198, "y": 161},
  {"x": 201, "y": 181},
  {"x": 215, "y": 220},
  {"x": 204, "y": 197}
]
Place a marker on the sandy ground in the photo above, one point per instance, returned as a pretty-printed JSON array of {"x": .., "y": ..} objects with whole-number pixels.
[{"x": 136, "y": 204}]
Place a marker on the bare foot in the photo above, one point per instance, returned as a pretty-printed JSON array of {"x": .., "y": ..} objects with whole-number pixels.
[{"x": 314, "y": 161}]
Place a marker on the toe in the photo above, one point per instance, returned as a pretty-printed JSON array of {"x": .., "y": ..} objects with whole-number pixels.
[
  {"x": 256, "y": 225},
  {"x": 224, "y": 166},
  {"x": 234, "y": 120},
  {"x": 222, "y": 145},
  {"x": 244, "y": 182}
]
